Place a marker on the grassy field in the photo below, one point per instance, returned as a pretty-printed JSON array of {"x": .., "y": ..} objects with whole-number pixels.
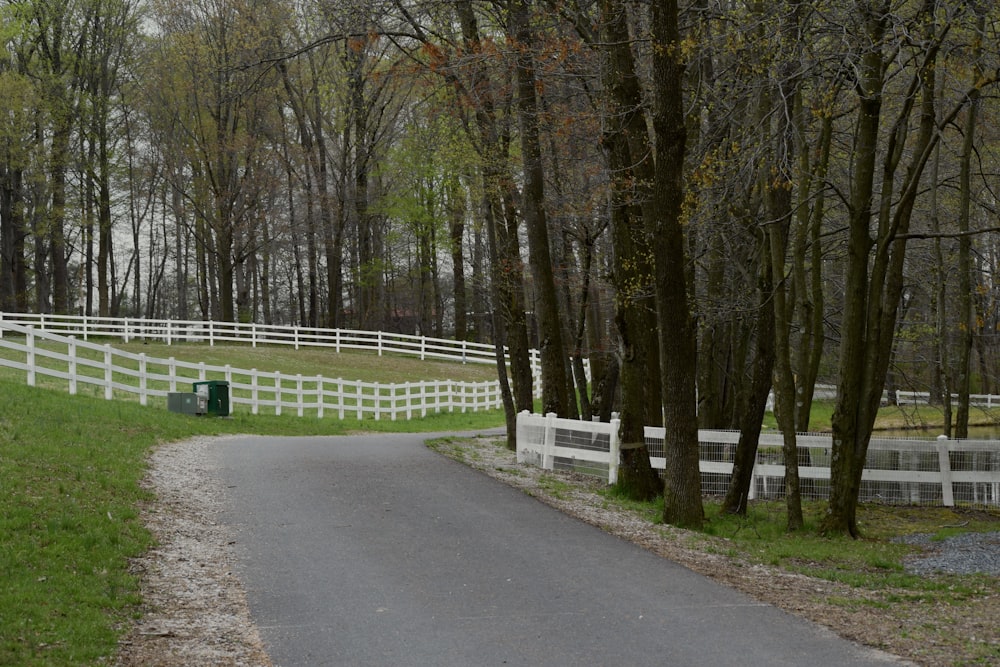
[
  {"x": 70, "y": 468},
  {"x": 897, "y": 418}
]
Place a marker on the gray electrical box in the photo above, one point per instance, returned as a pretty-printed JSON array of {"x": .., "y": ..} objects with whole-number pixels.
[{"x": 187, "y": 402}]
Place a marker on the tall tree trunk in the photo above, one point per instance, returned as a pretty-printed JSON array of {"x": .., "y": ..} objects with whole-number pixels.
[
  {"x": 682, "y": 489},
  {"x": 507, "y": 270},
  {"x": 777, "y": 183},
  {"x": 57, "y": 217},
  {"x": 552, "y": 350},
  {"x": 874, "y": 282},
  {"x": 312, "y": 259},
  {"x": 87, "y": 200},
  {"x": 13, "y": 277},
  {"x": 455, "y": 198},
  {"x": 751, "y": 412},
  {"x": 227, "y": 268},
  {"x": 369, "y": 262},
  {"x": 967, "y": 324},
  {"x": 628, "y": 153},
  {"x": 810, "y": 308},
  {"x": 942, "y": 380}
]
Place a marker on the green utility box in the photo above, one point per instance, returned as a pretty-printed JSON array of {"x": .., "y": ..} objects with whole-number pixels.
[
  {"x": 216, "y": 395},
  {"x": 185, "y": 402}
]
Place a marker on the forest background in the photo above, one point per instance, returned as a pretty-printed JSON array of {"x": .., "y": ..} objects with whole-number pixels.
[{"x": 708, "y": 199}]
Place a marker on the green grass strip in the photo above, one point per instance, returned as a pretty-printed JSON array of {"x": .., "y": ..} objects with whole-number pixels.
[{"x": 70, "y": 471}]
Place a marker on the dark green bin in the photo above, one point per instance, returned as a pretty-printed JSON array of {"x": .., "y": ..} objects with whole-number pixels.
[{"x": 217, "y": 392}]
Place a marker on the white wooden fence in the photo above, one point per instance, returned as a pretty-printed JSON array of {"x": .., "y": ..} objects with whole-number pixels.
[
  {"x": 197, "y": 331},
  {"x": 590, "y": 447},
  {"x": 829, "y": 392},
  {"x": 115, "y": 371},
  {"x": 943, "y": 472}
]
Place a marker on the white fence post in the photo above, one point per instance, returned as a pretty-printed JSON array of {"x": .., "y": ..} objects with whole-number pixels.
[
  {"x": 944, "y": 463},
  {"x": 211, "y": 334},
  {"x": 320, "y": 400},
  {"x": 142, "y": 379},
  {"x": 377, "y": 394},
  {"x": 254, "y": 392},
  {"x": 277, "y": 393},
  {"x": 549, "y": 444},
  {"x": 29, "y": 343},
  {"x": 300, "y": 408},
  {"x": 172, "y": 372},
  {"x": 201, "y": 371},
  {"x": 71, "y": 353},
  {"x": 108, "y": 392},
  {"x": 614, "y": 451}
]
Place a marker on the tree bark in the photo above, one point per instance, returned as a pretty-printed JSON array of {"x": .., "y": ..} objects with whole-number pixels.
[
  {"x": 966, "y": 322},
  {"x": 552, "y": 350},
  {"x": 628, "y": 151},
  {"x": 507, "y": 271},
  {"x": 874, "y": 283},
  {"x": 682, "y": 488}
]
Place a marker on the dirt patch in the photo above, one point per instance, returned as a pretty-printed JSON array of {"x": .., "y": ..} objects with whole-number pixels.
[{"x": 195, "y": 610}]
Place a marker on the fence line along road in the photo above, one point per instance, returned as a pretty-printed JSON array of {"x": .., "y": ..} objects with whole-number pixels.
[
  {"x": 900, "y": 471},
  {"x": 212, "y": 332},
  {"x": 83, "y": 363}
]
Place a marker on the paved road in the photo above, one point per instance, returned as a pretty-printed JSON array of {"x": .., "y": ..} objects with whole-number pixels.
[{"x": 374, "y": 550}]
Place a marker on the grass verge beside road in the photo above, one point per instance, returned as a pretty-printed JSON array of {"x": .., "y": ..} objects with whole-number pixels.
[{"x": 70, "y": 471}]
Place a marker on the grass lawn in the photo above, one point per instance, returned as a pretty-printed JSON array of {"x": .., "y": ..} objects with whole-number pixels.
[
  {"x": 70, "y": 468},
  {"x": 897, "y": 418}
]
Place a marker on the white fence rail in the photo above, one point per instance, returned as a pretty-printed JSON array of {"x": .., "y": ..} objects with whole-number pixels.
[
  {"x": 924, "y": 398},
  {"x": 940, "y": 472},
  {"x": 197, "y": 331},
  {"x": 116, "y": 371},
  {"x": 829, "y": 392},
  {"x": 590, "y": 447}
]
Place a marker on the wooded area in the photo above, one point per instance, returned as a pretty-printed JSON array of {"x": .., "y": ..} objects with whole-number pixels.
[{"x": 707, "y": 199}]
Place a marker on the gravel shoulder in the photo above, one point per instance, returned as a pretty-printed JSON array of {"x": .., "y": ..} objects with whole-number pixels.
[{"x": 195, "y": 609}]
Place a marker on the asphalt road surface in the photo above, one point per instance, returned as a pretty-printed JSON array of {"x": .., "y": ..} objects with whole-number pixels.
[{"x": 374, "y": 550}]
